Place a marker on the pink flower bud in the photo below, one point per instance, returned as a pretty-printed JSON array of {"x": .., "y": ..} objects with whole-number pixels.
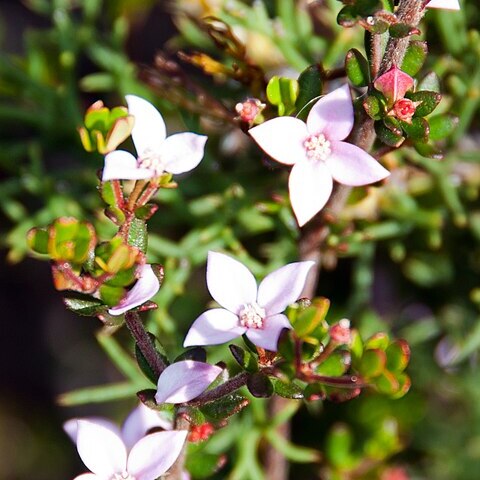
[
  {"x": 404, "y": 109},
  {"x": 394, "y": 84},
  {"x": 249, "y": 110},
  {"x": 340, "y": 332},
  {"x": 395, "y": 473}
]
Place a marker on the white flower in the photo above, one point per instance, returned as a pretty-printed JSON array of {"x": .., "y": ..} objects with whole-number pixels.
[
  {"x": 446, "y": 4},
  {"x": 111, "y": 454},
  {"x": 144, "y": 289},
  {"x": 255, "y": 312},
  {"x": 318, "y": 153},
  {"x": 156, "y": 152}
]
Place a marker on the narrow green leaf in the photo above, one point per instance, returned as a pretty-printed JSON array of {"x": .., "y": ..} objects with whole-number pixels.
[{"x": 356, "y": 66}]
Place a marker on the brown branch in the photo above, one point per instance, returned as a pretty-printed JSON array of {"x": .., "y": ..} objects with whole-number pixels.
[{"x": 144, "y": 342}]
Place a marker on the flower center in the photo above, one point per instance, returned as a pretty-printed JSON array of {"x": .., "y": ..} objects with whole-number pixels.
[
  {"x": 122, "y": 476},
  {"x": 317, "y": 147},
  {"x": 152, "y": 161},
  {"x": 252, "y": 316}
]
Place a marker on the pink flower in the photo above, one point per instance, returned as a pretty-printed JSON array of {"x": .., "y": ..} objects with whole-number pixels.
[
  {"x": 183, "y": 381},
  {"x": 447, "y": 4},
  {"x": 317, "y": 152},
  {"x": 144, "y": 289},
  {"x": 157, "y": 154},
  {"x": 255, "y": 312},
  {"x": 103, "y": 449}
]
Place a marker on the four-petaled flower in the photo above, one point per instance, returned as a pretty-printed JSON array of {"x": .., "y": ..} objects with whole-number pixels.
[
  {"x": 183, "y": 381},
  {"x": 447, "y": 4},
  {"x": 255, "y": 312},
  {"x": 157, "y": 153},
  {"x": 318, "y": 153},
  {"x": 112, "y": 454},
  {"x": 144, "y": 289}
]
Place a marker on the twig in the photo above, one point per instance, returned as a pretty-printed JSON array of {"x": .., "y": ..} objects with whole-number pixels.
[{"x": 144, "y": 342}]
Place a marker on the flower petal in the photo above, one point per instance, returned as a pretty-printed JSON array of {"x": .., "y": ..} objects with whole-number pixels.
[
  {"x": 71, "y": 426},
  {"x": 122, "y": 165},
  {"x": 214, "y": 327},
  {"x": 182, "y": 152},
  {"x": 101, "y": 450},
  {"x": 140, "y": 421},
  {"x": 447, "y": 4},
  {"x": 350, "y": 165},
  {"x": 310, "y": 185},
  {"x": 283, "y": 287},
  {"x": 149, "y": 130},
  {"x": 229, "y": 282},
  {"x": 89, "y": 476},
  {"x": 145, "y": 288},
  {"x": 332, "y": 115},
  {"x": 183, "y": 381},
  {"x": 154, "y": 454},
  {"x": 267, "y": 337},
  {"x": 282, "y": 138}
]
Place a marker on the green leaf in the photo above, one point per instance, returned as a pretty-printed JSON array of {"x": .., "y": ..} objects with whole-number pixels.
[
  {"x": 283, "y": 93},
  {"x": 335, "y": 365},
  {"x": 37, "y": 240},
  {"x": 404, "y": 384},
  {"x": 291, "y": 451},
  {"x": 374, "y": 106},
  {"x": 287, "y": 389},
  {"x": 428, "y": 150},
  {"x": 414, "y": 57},
  {"x": 310, "y": 87},
  {"x": 356, "y": 66},
  {"x": 137, "y": 234},
  {"x": 101, "y": 394},
  {"x": 112, "y": 193},
  {"x": 418, "y": 130},
  {"x": 378, "y": 341},
  {"x": 402, "y": 30},
  {"x": 429, "y": 100},
  {"x": 111, "y": 295},
  {"x": 203, "y": 465},
  {"x": 197, "y": 354},
  {"x": 244, "y": 358},
  {"x": 387, "y": 136},
  {"x": 398, "y": 355},
  {"x": 224, "y": 407},
  {"x": 260, "y": 386},
  {"x": 386, "y": 383},
  {"x": 430, "y": 82},
  {"x": 84, "y": 305},
  {"x": 442, "y": 126},
  {"x": 310, "y": 318},
  {"x": 338, "y": 449},
  {"x": 142, "y": 361},
  {"x": 372, "y": 363}
]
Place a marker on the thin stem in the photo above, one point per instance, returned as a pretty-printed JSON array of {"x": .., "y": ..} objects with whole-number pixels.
[
  {"x": 177, "y": 470},
  {"x": 222, "y": 390},
  {"x": 409, "y": 12},
  {"x": 133, "y": 197},
  {"x": 144, "y": 342}
]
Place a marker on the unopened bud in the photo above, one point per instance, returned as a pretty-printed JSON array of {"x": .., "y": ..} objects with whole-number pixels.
[
  {"x": 340, "y": 332},
  {"x": 404, "y": 109},
  {"x": 200, "y": 433},
  {"x": 249, "y": 110}
]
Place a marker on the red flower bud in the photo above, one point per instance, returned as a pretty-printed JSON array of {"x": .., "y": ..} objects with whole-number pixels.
[{"x": 200, "y": 433}]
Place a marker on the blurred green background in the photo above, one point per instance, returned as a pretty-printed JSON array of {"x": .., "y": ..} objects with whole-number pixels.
[{"x": 414, "y": 272}]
